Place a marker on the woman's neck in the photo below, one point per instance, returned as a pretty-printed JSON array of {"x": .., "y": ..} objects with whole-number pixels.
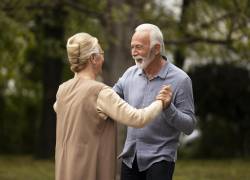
[{"x": 85, "y": 74}]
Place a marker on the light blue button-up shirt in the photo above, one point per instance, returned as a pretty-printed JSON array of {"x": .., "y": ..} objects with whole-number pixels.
[{"x": 158, "y": 140}]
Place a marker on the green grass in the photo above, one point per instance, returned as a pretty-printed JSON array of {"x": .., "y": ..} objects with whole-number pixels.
[
  {"x": 212, "y": 170},
  {"x": 27, "y": 168}
]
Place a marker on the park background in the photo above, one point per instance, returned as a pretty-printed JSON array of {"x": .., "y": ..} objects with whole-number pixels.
[{"x": 206, "y": 38}]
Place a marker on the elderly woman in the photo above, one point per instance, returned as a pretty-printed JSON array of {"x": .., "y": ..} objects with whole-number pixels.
[{"x": 85, "y": 136}]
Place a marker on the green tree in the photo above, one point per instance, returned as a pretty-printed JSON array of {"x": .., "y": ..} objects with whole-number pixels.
[{"x": 15, "y": 42}]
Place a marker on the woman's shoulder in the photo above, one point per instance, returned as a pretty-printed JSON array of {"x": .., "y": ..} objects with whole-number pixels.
[
  {"x": 97, "y": 83},
  {"x": 92, "y": 86}
]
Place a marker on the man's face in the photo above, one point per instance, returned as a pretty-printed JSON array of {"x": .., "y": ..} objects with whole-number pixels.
[{"x": 140, "y": 49}]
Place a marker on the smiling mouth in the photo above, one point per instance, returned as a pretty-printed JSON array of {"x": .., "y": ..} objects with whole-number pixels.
[{"x": 139, "y": 60}]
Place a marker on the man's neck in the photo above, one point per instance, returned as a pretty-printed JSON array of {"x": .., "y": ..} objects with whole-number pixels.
[{"x": 154, "y": 67}]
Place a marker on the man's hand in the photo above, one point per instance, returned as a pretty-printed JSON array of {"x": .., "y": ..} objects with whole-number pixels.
[{"x": 165, "y": 95}]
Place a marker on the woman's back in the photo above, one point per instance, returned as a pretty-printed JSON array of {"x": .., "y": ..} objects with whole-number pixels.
[{"x": 85, "y": 144}]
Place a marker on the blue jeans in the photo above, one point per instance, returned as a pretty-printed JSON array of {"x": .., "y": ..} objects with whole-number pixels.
[{"x": 162, "y": 170}]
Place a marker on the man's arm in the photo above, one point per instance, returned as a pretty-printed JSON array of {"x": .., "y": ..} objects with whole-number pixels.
[{"x": 180, "y": 113}]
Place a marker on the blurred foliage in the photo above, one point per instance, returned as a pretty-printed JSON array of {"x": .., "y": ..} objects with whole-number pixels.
[
  {"x": 33, "y": 60},
  {"x": 209, "y": 30},
  {"x": 15, "y": 41},
  {"x": 18, "y": 94},
  {"x": 222, "y": 93}
]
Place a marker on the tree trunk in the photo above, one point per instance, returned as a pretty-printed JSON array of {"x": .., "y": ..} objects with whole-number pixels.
[
  {"x": 2, "y": 134},
  {"x": 53, "y": 31},
  {"x": 51, "y": 79},
  {"x": 179, "y": 54}
]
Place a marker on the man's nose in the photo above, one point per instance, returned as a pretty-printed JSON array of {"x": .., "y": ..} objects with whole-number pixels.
[{"x": 134, "y": 52}]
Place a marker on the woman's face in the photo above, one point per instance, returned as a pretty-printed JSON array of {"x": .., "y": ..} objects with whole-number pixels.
[{"x": 99, "y": 60}]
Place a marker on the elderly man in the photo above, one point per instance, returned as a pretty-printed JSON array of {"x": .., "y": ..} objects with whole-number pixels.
[{"x": 150, "y": 153}]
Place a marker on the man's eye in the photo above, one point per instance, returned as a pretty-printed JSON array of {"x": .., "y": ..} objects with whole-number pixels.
[{"x": 139, "y": 47}]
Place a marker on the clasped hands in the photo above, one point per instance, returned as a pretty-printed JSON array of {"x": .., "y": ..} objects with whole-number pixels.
[{"x": 165, "y": 95}]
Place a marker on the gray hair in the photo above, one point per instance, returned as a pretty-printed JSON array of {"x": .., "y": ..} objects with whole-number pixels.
[
  {"x": 155, "y": 35},
  {"x": 80, "y": 47}
]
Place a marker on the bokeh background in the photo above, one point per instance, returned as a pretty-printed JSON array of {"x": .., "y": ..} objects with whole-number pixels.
[{"x": 209, "y": 39}]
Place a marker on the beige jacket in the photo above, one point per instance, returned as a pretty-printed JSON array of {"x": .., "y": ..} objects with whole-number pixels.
[{"x": 85, "y": 137}]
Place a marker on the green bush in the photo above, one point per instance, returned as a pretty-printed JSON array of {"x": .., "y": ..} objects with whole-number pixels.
[{"x": 222, "y": 94}]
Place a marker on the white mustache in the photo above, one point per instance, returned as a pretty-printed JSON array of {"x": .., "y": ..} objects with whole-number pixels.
[{"x": 138, "y": 58}]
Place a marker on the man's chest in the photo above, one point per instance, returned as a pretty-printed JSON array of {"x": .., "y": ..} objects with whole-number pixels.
[{"x": 141, "y": 92}]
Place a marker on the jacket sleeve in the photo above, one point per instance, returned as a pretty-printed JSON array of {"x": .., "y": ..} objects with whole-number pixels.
[{"x": 109, "y": 103}]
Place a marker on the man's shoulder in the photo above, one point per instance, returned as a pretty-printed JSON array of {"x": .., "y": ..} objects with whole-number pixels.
[
  {"x": 132, "y": 68},
  {"x": 178, "y": 72}
]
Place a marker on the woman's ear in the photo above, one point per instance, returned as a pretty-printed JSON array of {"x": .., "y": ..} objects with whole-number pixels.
[{"x": 93, "y": 59}]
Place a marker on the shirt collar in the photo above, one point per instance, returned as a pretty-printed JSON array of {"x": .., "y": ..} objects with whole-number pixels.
[
  {"x": 163, "y": 72},
  {"x": 140, "y": 71}
]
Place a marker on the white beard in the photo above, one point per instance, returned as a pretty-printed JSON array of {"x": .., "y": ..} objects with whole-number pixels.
[{"x": 143, "y": 62}]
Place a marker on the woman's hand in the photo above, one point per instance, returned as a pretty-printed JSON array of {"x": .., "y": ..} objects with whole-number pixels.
[{"x": 165, "y": 95}]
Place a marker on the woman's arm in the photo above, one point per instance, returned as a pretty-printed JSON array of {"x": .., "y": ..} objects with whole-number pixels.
[{"x": 109, "y": 103}]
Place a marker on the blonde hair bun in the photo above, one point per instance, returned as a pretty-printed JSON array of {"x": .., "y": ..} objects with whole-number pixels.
[{"x": 80, "y": 47}]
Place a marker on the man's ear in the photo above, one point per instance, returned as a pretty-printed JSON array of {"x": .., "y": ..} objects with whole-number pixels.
[{"x": 157, "y": 49}]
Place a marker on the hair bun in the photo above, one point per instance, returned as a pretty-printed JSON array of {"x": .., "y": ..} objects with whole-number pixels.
[
  {"x": 73, "y": 53},
  {"x": 80, "y": 47}
]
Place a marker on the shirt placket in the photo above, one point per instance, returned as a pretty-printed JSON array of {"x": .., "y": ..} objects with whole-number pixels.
[
  {"x": 145, "y": 102},
  {"x": 146, "y": 94}
]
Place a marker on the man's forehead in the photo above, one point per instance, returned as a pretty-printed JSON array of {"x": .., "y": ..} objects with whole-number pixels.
[
  {"x": 141, "y": 34},
  {"x": 140, "y": 37}
]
